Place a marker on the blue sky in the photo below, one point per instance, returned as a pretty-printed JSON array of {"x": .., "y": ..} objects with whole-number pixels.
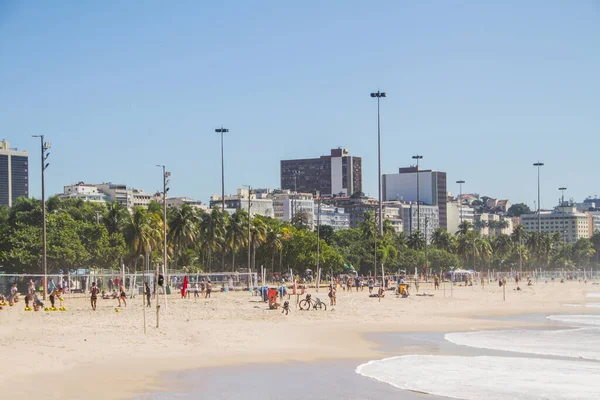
[{"x": 481, "y": 89}]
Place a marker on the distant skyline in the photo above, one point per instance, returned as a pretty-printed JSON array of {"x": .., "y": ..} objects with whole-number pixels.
[{"x": 481, "y": 89}]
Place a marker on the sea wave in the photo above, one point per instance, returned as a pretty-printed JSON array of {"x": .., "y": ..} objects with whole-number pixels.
[
  {"x": 590, "y": 319},
  {"x": 576, "y": 343},
  {"x": 490, "y": 378},
  {"x": 594, "y": 295}
]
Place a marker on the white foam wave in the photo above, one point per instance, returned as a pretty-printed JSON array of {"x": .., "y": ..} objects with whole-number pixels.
[
  {"x": 576, "y": 343},
  {"x": 591, "y": 319},
  {"x": 593, "y": 305},
  {"x": 490, "y": 378},
  {"x": 594, "y": 295}
]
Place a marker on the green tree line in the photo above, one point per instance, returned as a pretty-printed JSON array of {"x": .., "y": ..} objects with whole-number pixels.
[{"x": 89, "y": 235}]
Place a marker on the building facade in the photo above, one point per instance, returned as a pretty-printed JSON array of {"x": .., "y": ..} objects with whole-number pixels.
[
  {"x": 428, "y": 215},
  {"x": 356, "y": 207},
  {"x": 336, "y": 174},
  {"x": 286, "y": 204},
  {"x": 565, "y": 220},
  {"x": 180, "y": 201},
  {"x": 14, "y": 174},
  {"x": 433, "y": 190},
  {"x": 259, "y": 203},
  {"x": 489, "y": 224},
  {"x": 85, "y": 192},
  {"x": 327, "y": 215},
  {"x": 455, "y": 214}
]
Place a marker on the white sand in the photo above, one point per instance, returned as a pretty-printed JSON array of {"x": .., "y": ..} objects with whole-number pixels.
[{"x": 103, "y": 354}]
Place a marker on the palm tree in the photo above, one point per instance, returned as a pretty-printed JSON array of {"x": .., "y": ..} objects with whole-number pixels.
[
  {"x": 183, "y": 228},
  {"x": 211, "y": 234},
  {"x": 416, "y": 240},
  {"x": 143, "y": 232},
  {"x": 464, "y": 227},
  {"x": 258, "y": 234},
  {"x": 442, "y": 239},
  {"x": 274, "y": 241},
  {"x": 114, "y": 217},
  {"x": 236, "y": 234}
]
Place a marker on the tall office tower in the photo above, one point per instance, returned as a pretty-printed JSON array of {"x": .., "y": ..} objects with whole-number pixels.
[
  {"x": 336, "y": 174},
  {"x": 14, "y": 174}
]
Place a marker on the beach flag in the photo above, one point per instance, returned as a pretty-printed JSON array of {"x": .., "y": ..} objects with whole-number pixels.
[{"x": 184, "y": 287}]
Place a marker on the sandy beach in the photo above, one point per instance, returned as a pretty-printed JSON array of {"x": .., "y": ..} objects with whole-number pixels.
[{"x": 105, "y": 354}]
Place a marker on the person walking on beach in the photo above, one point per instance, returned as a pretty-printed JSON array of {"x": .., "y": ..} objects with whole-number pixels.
[
  {"x": 196, "y": 291},
  {"x": 122, "y": 295},
  {"x": 356, "y": 282},
  {"x": 147, "y": 293},
  {"x": 332, "y": 299},
  {"x": 370, "y": 285},
  {"x": 436, "y": 283},
  {"x": 94, "y": 295},
  {"x": 208, "y": 289}
]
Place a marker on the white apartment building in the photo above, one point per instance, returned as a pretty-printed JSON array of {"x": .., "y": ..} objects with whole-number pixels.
[
  {"x": 456, "y": 214},
  {"x": 83, "y": 191},
  {"x": 140, "y": 198},
  {"x": 493, "y": 224},
  {"x": 259, "y": 203},
  {"x": 287, "y": 203},
  {"x": 565, "y": 220},
  {"x": 410, "y": 215},
  {"x": 331, "y": 216},
  {"x": 179, "y": 201}
]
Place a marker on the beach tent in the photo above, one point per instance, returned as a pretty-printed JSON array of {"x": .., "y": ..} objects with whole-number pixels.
[{"x": 458, "y": 275}]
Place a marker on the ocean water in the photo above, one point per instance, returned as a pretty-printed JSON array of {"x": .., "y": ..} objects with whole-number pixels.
[
  {"x": 594, "y": 295},
  {"x": 573, "y": 320},
  {"x": 574, "y": 343},
  {"x": 488, "y": 377},
  {"x": 520, "y": 364}
]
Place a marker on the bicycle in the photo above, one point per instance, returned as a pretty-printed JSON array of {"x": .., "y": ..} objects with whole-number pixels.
[{"x": 308, "y": 303}]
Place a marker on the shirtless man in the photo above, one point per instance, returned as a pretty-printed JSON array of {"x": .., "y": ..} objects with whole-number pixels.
[{"x": 94, "y": 295}]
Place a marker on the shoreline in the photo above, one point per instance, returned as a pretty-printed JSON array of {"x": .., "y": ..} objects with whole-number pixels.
[{"x": 117, "y": 361}]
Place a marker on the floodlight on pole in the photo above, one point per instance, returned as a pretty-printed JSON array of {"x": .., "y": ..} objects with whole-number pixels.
[
  {"x": 44, "y": 165},
  {"x": 379, "y": 95},
  {"x": 418, "y": 157}
]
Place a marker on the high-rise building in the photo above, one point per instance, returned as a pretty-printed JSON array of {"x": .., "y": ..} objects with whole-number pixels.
[
  {"x": 335, "y": 174},
  {"x": 432, "y": 189},
  {"x": 14, "y": 174}
]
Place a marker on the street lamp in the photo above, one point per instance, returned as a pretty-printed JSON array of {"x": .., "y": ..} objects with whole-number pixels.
[
  {"x": 166, "y": 180},
  {"x": 249, "y": 238},
  {"x": 45, "y": 146},
  {"x": 538, "y": 165},
  {"x": 222, "y": 131},
  {"x": 418, "y": 157},
  {"x": 460, "y": 200},
  {"x": 564, "y": 221},
  {"x": 379, "y": 95}
]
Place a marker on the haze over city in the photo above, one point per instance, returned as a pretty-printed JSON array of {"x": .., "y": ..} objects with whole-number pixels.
[{"x": 482, "y": 90}]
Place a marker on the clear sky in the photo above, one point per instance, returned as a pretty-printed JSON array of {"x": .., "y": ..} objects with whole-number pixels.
[{"x": 482, "y": 89}]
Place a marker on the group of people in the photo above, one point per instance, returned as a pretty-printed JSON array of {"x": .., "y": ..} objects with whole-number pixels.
[{"x": 204, "y": 288}]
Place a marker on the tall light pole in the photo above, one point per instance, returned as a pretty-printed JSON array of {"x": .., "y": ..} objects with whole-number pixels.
[
  {"x": 538, "y": 165},
  {"x": 318, "y": 236},
  {"x": 418, "y": 157},
  {"x": 379, "y": 95},
  {"x": 45, "y": 146},
  {"x": 295, "y": 197},
  {"x": 166, "y": 180},
  {"x": 460, "y": 201},
  {"x": 564, "y": 221},
  {"x": 249, "y": 237},
  {"x": 222, "y": 131}
]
